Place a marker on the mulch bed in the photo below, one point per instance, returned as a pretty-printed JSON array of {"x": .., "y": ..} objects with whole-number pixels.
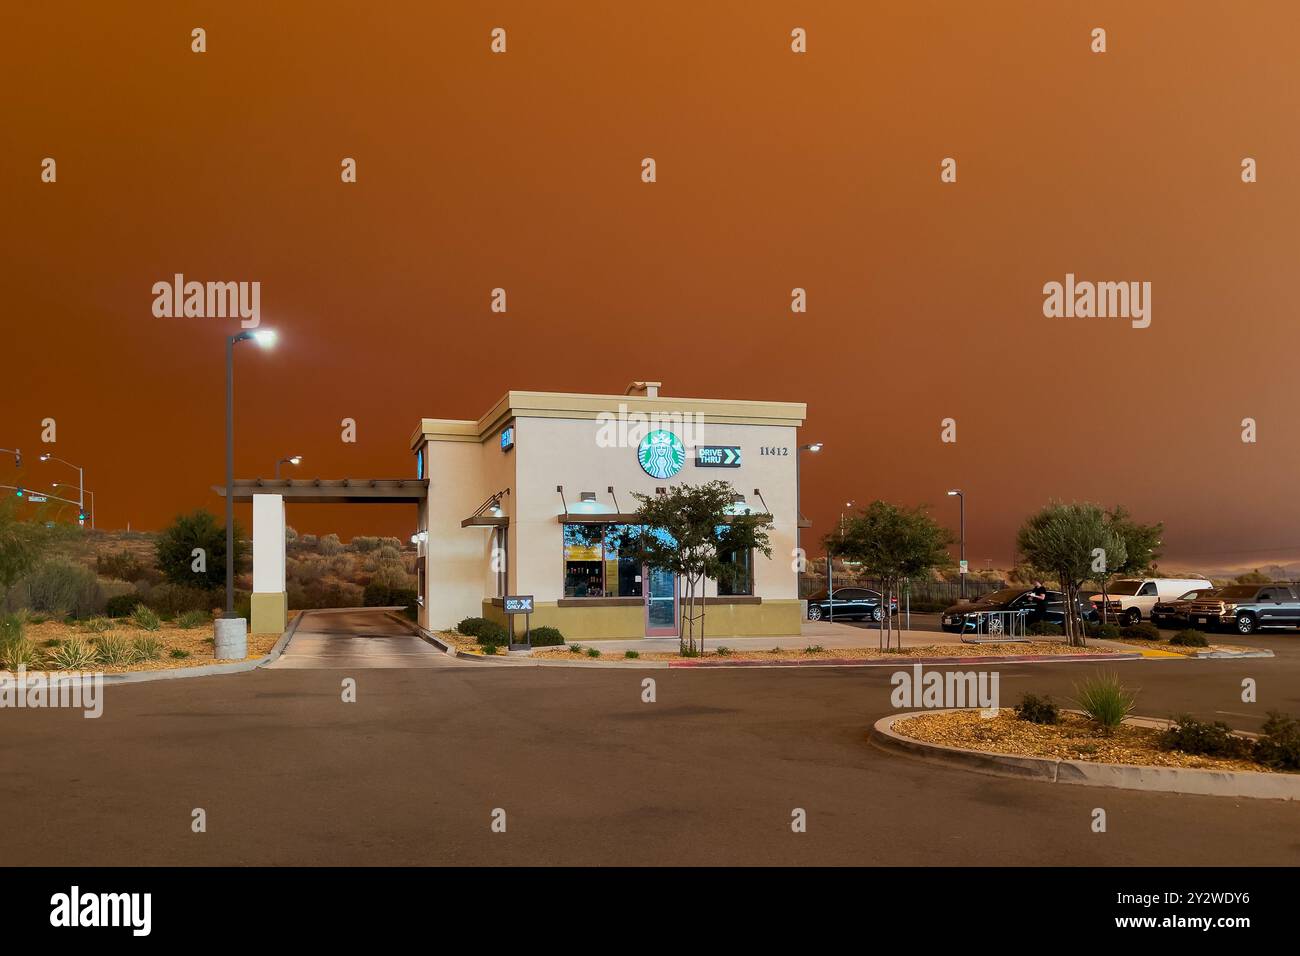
[
  {"x": 1075, "y": 738},
  {"x": 197, "y": 641}
]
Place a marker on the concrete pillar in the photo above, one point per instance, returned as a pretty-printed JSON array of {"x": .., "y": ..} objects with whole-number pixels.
[{"x": 270, "y": 610}]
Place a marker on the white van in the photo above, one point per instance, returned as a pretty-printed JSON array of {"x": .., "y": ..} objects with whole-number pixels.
[{"x": 1131, "y": 599}]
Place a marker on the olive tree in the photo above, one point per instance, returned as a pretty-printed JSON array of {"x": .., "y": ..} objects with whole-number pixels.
[
  {"x": 689, "y": 530},
  {"x": 1072, "y": 542},
  {"x": 893, "y": 544}
]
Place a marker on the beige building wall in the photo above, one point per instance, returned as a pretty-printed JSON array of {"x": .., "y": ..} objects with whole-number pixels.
[{"x": 556, "y": 442}]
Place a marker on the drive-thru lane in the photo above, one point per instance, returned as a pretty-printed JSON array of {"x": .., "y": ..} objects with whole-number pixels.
[{"x": 354, "y": 638}]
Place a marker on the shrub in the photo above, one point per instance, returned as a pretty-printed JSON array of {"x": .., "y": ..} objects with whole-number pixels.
[
  {"x": 593, "y": 652},
  {"x": 687, "y": 652},
  {"x": 724, "y": 651},
  {"x": 489, "y": 649},
  {"x": 575, "y": 648},
  {"x": 1045, "y": 629},
  {"x": 776, "y": 650},
  {"x": 146, "y": 649},
  {"x": 1279, "y": 747},
  {"x": 363, "y": 544},
  {"x": 1191, "y": 736},
  {"x": 1105, "y": 699},
  {"x": 814, "y": 649},
  {"x": 19, "y": 653},
  {"x": 59, "y": 586},
  {"x": 144, "y": 618},
  {"x": 492, "y": 633},
  {"x": 112, "y": 649},
  {"x": 307, "y": 540},
  {"x": 72, "y": 655},
  {"x": 171, "y": 600},
  {"x": 330, "y": 545},
  {"x": 471, "y": 625},
  {"x": 1038, "y": 710},
  {"x": 178, "y": 653},
  {"x": 389, "y": 555},
  {"x": 121, "y": 605},
  {"x": 192, "y": 619},
  {"x": 1140, "y": 632},
  {"x": 1190, "y": 638},
  {"x": 631, "y": 655},
  {"x": 12, "y": 627},
  {"x": 546, "y": 637},
  {"x": 198, "y": 529},
  {"x": 124, "y": 566},
  {"x": 95, "y": 625},
  {"x": 52, "y": 642},
  {"x": 1107, "y": 631}
]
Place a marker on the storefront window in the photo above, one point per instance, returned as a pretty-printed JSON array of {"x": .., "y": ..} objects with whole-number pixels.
[
  {"x": 737, "y": 577},
  {"x": 584, "y": 559},
  {"x": 622, "y": 571}
]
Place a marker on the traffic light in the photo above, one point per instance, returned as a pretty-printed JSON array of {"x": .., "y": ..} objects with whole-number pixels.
[
  {"x": 18, "y": 459},
  {"x": 81, "y": 516},
  {"x": 18, "y": 492}
]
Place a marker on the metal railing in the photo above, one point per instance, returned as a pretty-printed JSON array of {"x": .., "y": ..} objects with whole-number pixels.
[{"x": 998, "y": 625}]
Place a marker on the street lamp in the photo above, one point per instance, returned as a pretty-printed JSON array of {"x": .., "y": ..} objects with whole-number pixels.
[
  {"x": 961, "y": 502},
  {"x": 92, "y": 504},
  {"x": 847, "y": 505},
  {"x": 813, "y": 447},
  {"x": 81, "y": 478},
  {"x": 294, "y": 460},
  {"x": 264, "y": 338}
]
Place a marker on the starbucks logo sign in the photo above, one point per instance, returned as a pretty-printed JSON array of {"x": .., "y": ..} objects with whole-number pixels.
[{"x": 661, "y": 454}]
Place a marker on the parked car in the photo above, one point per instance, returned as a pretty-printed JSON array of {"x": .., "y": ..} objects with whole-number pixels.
[
  {"x": 1174, "y": 613},
  {"x": 849, "y": 604},
  {"x": 965, "y": 618},
  {"x": 1247, "y": 607},
  {"x": 1130, "y": 600}
]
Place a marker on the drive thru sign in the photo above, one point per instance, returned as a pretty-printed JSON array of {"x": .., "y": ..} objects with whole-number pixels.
[{"x": 519, "y": 604}]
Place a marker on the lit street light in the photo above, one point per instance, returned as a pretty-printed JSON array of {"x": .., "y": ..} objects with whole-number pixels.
[
  {"x": 294, "y": 460},
  {"x": 813, "y": 447},
  {"x": 264, "y": 338},
  {"x": 81, "y": 478},
  {"x": 961, "y": 501}
]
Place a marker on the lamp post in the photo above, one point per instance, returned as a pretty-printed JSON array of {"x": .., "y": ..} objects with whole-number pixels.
[
  {"x": 264, "y": 338},
  {"x": 81, "y": 477},
  {"x": 813, "y": 447},
  {"x": 961, "y": 504},
  {"x": 294, "y": 460}
]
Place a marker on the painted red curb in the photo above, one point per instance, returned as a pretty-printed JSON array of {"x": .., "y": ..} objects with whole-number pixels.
[{"x": 904, "y": 661}]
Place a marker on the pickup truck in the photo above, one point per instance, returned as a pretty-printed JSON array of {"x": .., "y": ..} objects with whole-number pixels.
[{"x": 1247, "y": 607}]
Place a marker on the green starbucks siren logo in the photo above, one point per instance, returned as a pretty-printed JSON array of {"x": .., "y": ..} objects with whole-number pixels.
[{"x": 661, "y": 454}]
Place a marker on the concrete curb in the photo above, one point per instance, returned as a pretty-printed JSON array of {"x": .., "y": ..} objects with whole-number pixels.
[
  {"x": 1213, "y": 783},
  {"x": 1220, "y": 654},
  {"x": 900, "y": 660},
  {"x": 449, "y": 649}
]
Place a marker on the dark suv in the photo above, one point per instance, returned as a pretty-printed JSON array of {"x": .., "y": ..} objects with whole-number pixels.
[{"x": 849, "y": 604}]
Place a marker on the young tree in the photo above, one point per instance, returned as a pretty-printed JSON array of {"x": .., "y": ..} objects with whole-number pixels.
[
  {"x": 198, "y": 529},
  {"x": 893, "y": 544},
  {"x": 21, "y": 545},
  {"x": 1141, "y": 544},
  {"x": 1067, "y": 540},
  {"x": 690, "y": 530}
]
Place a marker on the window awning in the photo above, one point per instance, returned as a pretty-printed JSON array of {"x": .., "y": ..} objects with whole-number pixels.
[{"x": 486, "y": 521}]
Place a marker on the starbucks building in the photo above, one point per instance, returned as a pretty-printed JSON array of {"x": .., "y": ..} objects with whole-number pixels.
[{"x": 531, "y": 498}]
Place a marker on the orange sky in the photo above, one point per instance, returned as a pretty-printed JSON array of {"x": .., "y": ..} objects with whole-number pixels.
[{"x": 775, "y": 170}]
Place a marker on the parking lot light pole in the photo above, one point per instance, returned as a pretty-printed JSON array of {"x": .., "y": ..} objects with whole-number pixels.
[
  {"x": 961, "y": 504},
  {"x": 264, "y": 338},
  {"x": 294, "y": 460},
  {"x": 813, "y": 447}
]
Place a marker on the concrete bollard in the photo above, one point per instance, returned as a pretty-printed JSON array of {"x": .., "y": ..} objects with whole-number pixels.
[{"x": 231, "y": 642}]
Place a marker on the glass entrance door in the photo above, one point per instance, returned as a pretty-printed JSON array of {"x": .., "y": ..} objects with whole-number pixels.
[{"x": 660, "y": 603}]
